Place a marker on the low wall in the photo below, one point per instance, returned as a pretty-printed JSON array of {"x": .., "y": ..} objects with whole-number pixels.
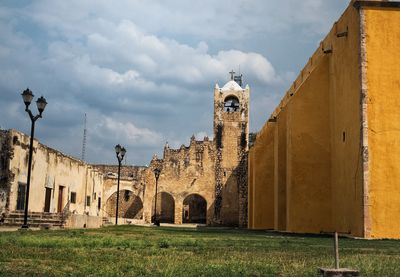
[{"x": 84, "y": 221}]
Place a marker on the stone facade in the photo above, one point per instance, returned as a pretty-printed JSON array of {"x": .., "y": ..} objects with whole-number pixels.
[
  {"x": 6, "y": 176},
  {"x": 204, "y": 182},
  {"x": 185, "y": 171},
  {"x": 132, "y": 190}
]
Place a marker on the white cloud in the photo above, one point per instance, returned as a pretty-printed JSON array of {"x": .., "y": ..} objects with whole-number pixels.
[
  {"x": 131, "y": 58},
  {"x": 145, "y": 69},
  {"x": 126, "y": 132}
]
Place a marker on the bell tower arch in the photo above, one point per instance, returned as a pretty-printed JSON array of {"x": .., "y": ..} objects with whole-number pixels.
[{"x": 231, "y": 135}]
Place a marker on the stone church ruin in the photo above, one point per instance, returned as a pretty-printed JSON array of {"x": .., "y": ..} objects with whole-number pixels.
[{"x": 203, "y": 183}]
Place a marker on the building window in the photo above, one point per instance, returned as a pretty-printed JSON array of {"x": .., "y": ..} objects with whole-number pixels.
[
  {"x": 21, "y": 196},
  {"x": 127, "y": 195},
  {"x": 88, "y": 201},
  {"x": 231, "y": 104},
  {"x": 73, "y": 197},
  {"x": 94, "y": 196},
  {"x": 243, "y": 140},
  {"x": 99, "y": 203}
]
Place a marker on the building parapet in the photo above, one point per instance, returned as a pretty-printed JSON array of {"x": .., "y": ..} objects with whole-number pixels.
[
  {"x": 326, "y": 47},
  {"x": 25, "y": 144},
  {"x": 128, "y": 172}
]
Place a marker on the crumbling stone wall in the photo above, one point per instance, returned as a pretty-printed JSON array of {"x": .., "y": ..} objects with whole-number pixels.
[
  {"x": 242, "y": 173},
  {"x": 129, "y": 206},
  {"x": 127, "y": 171},
  {"x": 185, "y": 171},
  {"x": 6, "y": 176},
  {"x": 133, "y": 180}
]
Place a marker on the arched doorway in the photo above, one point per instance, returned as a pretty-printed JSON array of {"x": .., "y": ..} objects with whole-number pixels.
[
  {"x": 194, "y": 209},
  {"x": 165, "y": 207},
  {"x": 129, "y": 206}
]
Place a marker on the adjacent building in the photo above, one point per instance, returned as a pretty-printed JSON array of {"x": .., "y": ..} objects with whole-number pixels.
[
  {"x": 328, "y": 157},
  {"x": 60, "y": 185}
]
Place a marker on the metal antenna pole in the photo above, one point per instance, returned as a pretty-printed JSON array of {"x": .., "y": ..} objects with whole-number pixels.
[{"x": 84, "y": 140}]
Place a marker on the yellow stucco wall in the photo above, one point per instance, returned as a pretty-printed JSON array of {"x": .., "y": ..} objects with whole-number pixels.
[
  {"x": 317, "y": 163},
  {"x": 383, "y": 83},
  {"x": 251, "y": 184},
  {"x": 280, "y": 142},
  {"x": 262, "y": 185},
  {"x": 345, "y": 124},
  {"x": 308, "y": 154}
]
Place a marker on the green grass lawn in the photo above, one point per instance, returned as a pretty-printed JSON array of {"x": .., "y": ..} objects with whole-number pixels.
[{"x": 139, "y": 251}]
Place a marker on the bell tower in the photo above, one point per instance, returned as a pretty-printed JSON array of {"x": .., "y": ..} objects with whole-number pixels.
[{"x": 231, "y": 135}]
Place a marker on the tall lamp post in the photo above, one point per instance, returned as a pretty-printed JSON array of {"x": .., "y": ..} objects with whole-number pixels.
[
  {"x": 157, "y": 172},
  {"x": 41, "y": 103},
  {"x": 120, "y": 151}
]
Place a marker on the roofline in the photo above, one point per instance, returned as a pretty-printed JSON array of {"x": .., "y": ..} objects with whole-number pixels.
[{"x": 380, "y": 4}]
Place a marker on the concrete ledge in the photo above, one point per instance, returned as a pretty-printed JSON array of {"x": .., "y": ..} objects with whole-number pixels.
[{"x": 339, "y": 272}]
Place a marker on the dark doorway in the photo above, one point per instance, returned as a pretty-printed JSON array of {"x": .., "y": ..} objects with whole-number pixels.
[
  {"x": 165, "y": 207},
  {"x": 60, "y": 199},
  {"x": 21, "y": 197},
  {"x": 47, "y": 200},
  {"x": 194, "y": 209}
]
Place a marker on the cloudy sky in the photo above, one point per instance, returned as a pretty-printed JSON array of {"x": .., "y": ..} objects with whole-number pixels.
[{"x": 144, "y": 71}]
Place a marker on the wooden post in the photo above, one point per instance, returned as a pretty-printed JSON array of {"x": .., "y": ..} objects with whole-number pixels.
[{"x": 336, "y": 247}]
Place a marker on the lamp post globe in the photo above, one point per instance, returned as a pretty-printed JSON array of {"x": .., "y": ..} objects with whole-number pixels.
[
  {"x": 27, "y": 97},
  {"x": 41, "y": 104},
  {"x": 117, "y": 149},
  {"x": 122, "y": 153}
]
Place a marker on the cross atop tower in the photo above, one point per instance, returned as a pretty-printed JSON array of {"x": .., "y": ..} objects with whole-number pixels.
[{"x": 232, "y": 72}]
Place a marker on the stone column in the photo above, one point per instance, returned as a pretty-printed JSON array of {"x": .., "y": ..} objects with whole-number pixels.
[{"x": 178, "y": 210}]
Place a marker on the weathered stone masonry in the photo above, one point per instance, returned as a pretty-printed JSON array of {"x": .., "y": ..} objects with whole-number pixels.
[
  {"x": 204, "y": 182},
  {"x": 6, "y": 176},
  {"x": 231, "y": 131}
]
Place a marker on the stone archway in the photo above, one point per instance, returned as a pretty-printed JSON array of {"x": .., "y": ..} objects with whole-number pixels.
[
  {"x": 194, "y": 209},
  {"x": 129, "y": 206},
  {"x": 165, "y": 207}
]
